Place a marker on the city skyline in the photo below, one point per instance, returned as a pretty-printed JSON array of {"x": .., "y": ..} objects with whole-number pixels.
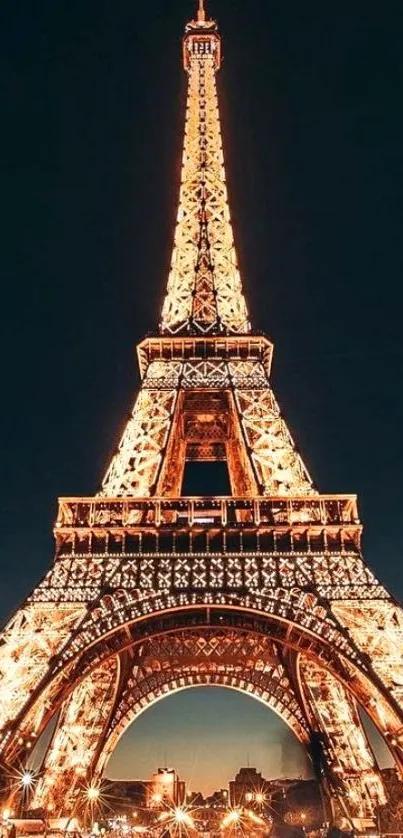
[
  {"x": 72, "y": 301},
  {"x": 192, "y": 714}
]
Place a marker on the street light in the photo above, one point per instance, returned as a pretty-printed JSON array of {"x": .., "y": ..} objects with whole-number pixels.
[
  {"x": 177, "y": 819},
  {"x": 231, "y": 818},
  {"x": 156, "y": 797},
  {"x": 27, "y": 779},
  {"x": 92, "y": 793}
]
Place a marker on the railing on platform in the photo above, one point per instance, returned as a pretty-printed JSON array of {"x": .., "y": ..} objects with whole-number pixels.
[{"x": 124, "y": 513}]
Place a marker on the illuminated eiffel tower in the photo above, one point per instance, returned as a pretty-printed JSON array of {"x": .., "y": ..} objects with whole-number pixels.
[{"x": 264, "y": 590}]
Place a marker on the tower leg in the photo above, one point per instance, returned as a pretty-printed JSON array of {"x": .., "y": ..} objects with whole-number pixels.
[
  {"x": 67, "y": 765},
  {"x": 352, "y": 773},
  {"x": 31, "y": 639},
  {"x": 135, "y": 467},
  {"x": 376, "y": 627}
]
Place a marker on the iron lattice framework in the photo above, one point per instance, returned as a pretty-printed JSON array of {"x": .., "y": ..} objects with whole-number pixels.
[{"x": 263, "y": 591}]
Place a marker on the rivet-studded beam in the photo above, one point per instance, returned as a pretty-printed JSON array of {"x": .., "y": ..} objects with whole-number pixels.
[
  {"x": 351, "y": 768},
  {"x": 69, "y": 759},
  {"x": 255, "y": 427},
  {"x": 98, "y": 711}
]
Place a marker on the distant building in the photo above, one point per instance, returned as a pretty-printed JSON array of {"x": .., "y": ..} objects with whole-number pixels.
[
  {"x": 249, "y": 789},
  {"x": 125, "y": 795},
  {"x": 218, "y": 799},
  {"x": 165, "y": 789},
  {"x": 195, "y": 798}
]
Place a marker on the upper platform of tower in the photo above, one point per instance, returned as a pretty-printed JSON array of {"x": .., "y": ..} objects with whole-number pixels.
[
  {"x": 204, "y": 293},
  {"x": 201, "y": 38}
]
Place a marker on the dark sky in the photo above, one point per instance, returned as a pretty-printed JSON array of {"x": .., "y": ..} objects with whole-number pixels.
[{"x": 92, "y": 106}]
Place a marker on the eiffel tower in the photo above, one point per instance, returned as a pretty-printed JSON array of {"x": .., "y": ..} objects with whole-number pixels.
[{"x": 264, "y": 590}]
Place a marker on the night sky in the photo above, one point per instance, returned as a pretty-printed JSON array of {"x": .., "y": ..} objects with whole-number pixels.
[{"x": 92, "y": 107}]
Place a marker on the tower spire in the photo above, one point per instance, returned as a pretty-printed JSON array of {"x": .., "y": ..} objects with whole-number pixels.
[
  {"x": 201, "y": 13},
  {"x": 204, "y": 293}
]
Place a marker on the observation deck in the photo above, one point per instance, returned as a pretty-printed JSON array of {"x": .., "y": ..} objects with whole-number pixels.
[
  {"x": 315, "y": 523},
  {"x": 250, "y": 347}
]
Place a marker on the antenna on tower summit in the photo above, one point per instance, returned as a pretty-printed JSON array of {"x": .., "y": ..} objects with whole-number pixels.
[{"x": 201, "y": 13}]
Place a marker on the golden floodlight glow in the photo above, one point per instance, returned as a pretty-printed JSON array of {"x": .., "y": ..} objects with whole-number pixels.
[
  {"x": 231, "y": 818},
  {"x": 277, "y": 564},
  {"x": 176, "y": 818},
  {"x": 254, "y": 817},
  {"x": 92, "y": 792},
  {"x": 183, "y": 817}
]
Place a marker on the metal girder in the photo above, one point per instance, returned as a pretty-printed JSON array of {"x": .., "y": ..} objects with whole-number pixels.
[
  {"x": 29, "y": 641},
  {"x": 67, "y": 766},
  {"x": 278, "y": 466},
  {"x": 214, "y": 657},
  {"x": 352, "y": 773},
  {"x": 377, "y": 627},
  {"x": 134, "y": 468},
  {"x": 299, "y": 621},
  {"x": 99, "y": 710},
  {"x": 262, "y": 457}
]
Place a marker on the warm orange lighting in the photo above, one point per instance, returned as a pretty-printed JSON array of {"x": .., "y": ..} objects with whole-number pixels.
[
  {"x": 183, "y": 817},
  {"x": 27, "y": 779},
  {"x": 254, "y": 817},
  {"x": 275, "y": 548},
  {"x": 92, "y": 793},
  {"x": 231, "y": 818},
  {"x": 176, "y": 818}
]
